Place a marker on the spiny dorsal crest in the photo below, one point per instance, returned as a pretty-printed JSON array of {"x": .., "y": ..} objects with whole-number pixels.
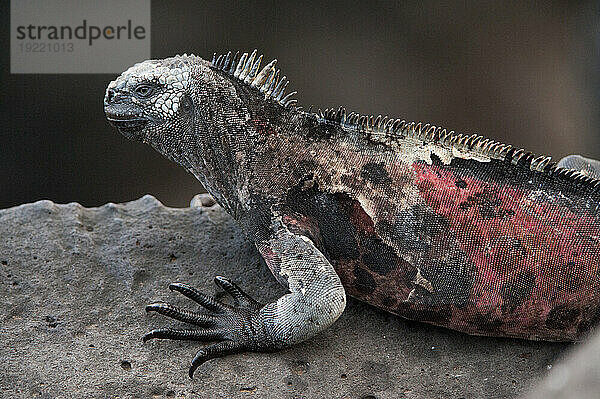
[
  {"x": 385, "y": 129},
  {"x": 245, "y": 69}
]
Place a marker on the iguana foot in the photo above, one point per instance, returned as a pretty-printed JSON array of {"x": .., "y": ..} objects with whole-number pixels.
[{"x": 237, "y": 328}]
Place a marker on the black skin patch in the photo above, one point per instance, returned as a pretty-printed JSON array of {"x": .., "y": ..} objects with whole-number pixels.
[
  {"x": 337, "y": 232},
  {"x": 389, "y": 301},
  {"x": 258, "y": 220},
  {"x": 562, "y": 317},
  {"x": 375, "y": 173},
  {"x": 452, "y": 279},
  {"x": 414, "y": 228},
  {"x": 333, "y": 214},
  {"x": 316, "y": 131},
  {"x": 427, "y": 237},
  {"x": 488, "y": 204},
  {"x": 486, "y": 324},
  {"x": 588, "y": 324},
  {"x": 441, "y": 315},
  {"x": 364, "y": 282},
  {"x": 517, "y": 291},
  {"x": 378, "y": 256},
  {"x": 460, "y": 183}
]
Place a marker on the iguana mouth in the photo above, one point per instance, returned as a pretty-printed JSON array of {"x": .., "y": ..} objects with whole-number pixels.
[
  {"x": 127, "y": 123},
  {"x": 129, "y": 126}
]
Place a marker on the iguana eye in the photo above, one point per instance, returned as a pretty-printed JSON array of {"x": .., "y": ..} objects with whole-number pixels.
[{"x": 144, "y": 90}]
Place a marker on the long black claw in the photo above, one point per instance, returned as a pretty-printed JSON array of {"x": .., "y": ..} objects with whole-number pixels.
[
  {"x": 208, "y": 302},
  {"x": 232, "y": 328},
  {"x": 181, "y": 314},
  {"x": 220, "y": 349},
  {"x": 195, "y": 335},
  {"x": 236, "y": 292}
]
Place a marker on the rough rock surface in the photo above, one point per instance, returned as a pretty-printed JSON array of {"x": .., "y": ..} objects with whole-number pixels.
[{"x": 74, "y": 285}]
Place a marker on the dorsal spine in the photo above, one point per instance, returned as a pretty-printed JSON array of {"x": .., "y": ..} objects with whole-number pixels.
[{"x": 246, "y": 69}]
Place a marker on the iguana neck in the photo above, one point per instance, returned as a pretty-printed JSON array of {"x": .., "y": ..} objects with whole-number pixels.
[{"x": 226, "y": 134}]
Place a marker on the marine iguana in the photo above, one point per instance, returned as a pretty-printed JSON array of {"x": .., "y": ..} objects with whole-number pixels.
[{"x": 454, "y": 230}]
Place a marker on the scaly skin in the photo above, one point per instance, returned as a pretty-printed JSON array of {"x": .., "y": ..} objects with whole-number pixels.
[{"x": 459, "y": 232}]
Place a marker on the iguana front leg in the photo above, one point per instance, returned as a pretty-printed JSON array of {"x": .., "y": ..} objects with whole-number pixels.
[{"x": 316, "y": 299}]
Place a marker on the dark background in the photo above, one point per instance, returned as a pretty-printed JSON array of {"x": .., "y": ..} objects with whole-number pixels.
[{"x": 519, "y": 72}]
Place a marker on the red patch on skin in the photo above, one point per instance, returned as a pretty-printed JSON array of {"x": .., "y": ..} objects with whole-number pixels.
[
  {"x": 268, "y": 255},
  {"x": 304, "y": 225},
  {"x": 299, "y": 222},
  {"x": 262, "y": 127},
  {"x": 509, "y": 232},
  {"x": 359, "y": 218},
  {"x": 273, "y": 260}
]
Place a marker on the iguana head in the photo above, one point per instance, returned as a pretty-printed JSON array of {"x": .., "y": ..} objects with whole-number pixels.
[{"x": 153, "y": 101}]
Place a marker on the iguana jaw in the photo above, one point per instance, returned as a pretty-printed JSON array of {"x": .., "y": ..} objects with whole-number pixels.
[{"x": 129, "y": 125}]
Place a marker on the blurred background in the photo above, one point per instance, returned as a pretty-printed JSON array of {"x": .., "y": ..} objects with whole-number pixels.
[{"x": 527, "y": 73}]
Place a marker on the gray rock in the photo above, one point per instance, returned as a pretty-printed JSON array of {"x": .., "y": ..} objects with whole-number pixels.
[
  {"x": 75, "y": 282},
  {"x": 201, "y": 200},
  {"x": 577, "y": 377}
]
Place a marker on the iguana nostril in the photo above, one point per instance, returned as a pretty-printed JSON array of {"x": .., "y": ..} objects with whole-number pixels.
[
  {"x": 114, "y": 96},
  {"x": 110, "y": 93}
]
